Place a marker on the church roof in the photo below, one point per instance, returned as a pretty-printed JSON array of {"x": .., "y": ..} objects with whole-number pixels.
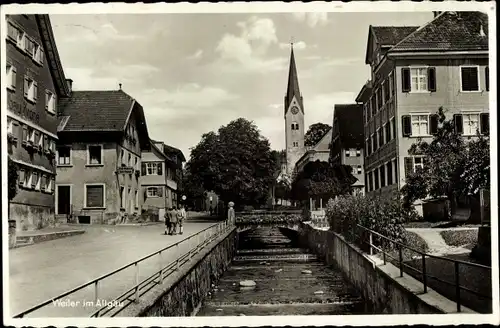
[{"x": 293, "y": 84}]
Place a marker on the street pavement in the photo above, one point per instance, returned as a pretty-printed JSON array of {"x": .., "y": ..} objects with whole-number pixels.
[{"x": 42, "y": 271}]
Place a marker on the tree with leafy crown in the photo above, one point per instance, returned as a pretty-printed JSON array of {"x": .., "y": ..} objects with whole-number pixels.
[
  {"x": 315, "y": 133},
  {"x": 235, "y": 162},
  {"x": 453, "y": 166}
]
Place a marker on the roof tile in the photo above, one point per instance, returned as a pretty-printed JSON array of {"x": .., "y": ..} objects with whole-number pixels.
[{"x": 391, "y": 35}]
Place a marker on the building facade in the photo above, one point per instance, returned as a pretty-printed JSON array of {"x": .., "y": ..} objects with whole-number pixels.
[
  {"x": 414, "y": 72},
  {"x": 35, "y": 81},
  {"x": 347, "y": 141},
  {"x": 153, "y": 178},
  {"x": 175, "y": 161},
  {"x": 294, "y": 119},
  {"x": 101, "y": 137}
]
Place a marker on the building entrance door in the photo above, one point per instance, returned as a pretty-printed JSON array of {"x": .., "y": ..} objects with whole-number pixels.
[{"x": 63, "y": 199}]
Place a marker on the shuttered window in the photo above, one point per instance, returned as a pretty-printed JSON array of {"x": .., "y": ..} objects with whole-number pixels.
[
  {"x": 469, "y": 78},
  {"x": 433, "y": 124},
  {"x": 485, "y": 123},
  {"x": 94, "y": 195},
  {"x": 459, "y": 124},
  {"x": 405, "y": 79}
]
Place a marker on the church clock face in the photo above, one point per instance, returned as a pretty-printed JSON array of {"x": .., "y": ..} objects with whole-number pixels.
[{"x": 295, "y": 110}]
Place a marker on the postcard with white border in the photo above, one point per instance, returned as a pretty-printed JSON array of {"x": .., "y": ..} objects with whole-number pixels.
[{"x": 249, "y": 164}]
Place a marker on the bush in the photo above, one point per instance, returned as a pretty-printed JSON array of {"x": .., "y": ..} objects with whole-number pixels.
[
  {"x": 383, "y": 215},
  {"x": 460, "y": 237}
]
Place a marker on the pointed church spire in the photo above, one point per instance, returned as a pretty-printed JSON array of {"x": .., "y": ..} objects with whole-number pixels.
[{"x": 293, "y": 83}]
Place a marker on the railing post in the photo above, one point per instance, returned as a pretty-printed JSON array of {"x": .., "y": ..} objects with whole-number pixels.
[
  {"x": 371, "y": 243},
  {"x": 136, "y": 281},
  {"x": 178, "y": 256},
  {"x": 400, "y": 261},
  {"x": 424, "y": 274},
  {"x": 161, "y": 267},
  {"x": 457, "y": 287},
  {"x": 96, "y": 289}
]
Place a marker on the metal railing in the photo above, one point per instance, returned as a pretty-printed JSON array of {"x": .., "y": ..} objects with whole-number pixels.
[
  {"x": 139, "y": 288},
  {"x": 423, "y": 272}
]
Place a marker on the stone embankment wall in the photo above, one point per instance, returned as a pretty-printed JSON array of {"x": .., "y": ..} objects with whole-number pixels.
[
  {"x": 185, "y": 292},
  {"x": 381, "y": 286}
]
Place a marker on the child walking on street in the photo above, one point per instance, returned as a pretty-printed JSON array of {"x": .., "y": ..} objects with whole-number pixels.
[{"x": 181, "y": 217}]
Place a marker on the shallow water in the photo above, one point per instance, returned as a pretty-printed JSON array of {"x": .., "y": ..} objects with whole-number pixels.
[{"x": 276, "y": 263}]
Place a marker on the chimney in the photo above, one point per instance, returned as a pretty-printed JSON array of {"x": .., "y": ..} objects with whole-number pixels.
[{"x": 69, "y": 82}]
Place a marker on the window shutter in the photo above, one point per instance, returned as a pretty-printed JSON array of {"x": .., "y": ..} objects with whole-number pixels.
[
  {"x": 485, "y": 123},
  {"x": 487, "y": 78},
  {"x": 431, "y": 81},
  {"x": 14, "y": 77},
  {"x": 26, "y": 86},
  {"x": 406, "y": 122},
  {"x": 35, "y": 90},
  {"x": 160, "y": 192},
  {"x": 406, "y": 79},
  {"x": 408, "y": 166},
  {"x": 21, "y": 177},
  {"x": 143, "y": 169},
  {"x": 25, "y": 133},
  {"x": 145, "y": 193},
  {"x": 34, "y": 179},
  {"x": 160, "y": 168},
  {"x": 434, "y": 123},
  {"x": 54, "y": 103},
  {"x": 47, "y": 97},
  {"x": 459, "y": 123}
]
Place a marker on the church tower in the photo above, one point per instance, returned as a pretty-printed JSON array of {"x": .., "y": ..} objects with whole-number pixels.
[{"x": 294, "y": 119}]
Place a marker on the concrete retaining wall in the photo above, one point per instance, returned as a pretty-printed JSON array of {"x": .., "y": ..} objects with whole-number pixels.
[
  {"x": 189, "y": 287},
  {"x": 380, "y": 285}
]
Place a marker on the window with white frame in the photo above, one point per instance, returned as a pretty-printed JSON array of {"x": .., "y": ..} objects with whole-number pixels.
[
  {"x": 11, "y": 77},
  {"x": 151, "y": 169},
  {"x": 420, "y": 125},
  {"x": 50, "y": 101},
  {"x": 471, "y": 124},
  {"x": 94, "y": 154},
  {"x": 469, "y": 78},
  {"x": 29, "y": 46},
  {"x": 295, "y": 144},
  {"x": 418, "y": 163},
  {"x": 152, "y": 192},
  {"x": 64, "y": 155},
  {"x": 94, "y": 196},
  {"x": 418, "y": 79},
  {"x": 38, "y": 54},
  {"x": 30, "y": 89},
  {"x": 359, "y": 169}
]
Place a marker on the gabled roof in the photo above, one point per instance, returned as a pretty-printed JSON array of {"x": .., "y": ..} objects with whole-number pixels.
[
  {"x": 449, "y": 31},
  {"x": 391, "y": 35},
  {"x": 101, "y": 111},
  {"x": 350, "y": 123},
  {"x": 386, "y": 36},
  {"x": 96, "y": 110},
  {"x": 321, "y": 141},
  {"x": 169, "y": 150},
  {"x": 52, "y": 55},
  {"x": 293, "y": 84}
]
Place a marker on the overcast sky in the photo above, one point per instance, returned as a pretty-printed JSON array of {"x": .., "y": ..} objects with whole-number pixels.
[{"x": 193, "y": 73}]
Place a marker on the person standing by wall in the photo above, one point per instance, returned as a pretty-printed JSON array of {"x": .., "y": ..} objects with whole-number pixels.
[
  {"x": 168, "y": 223},
  {"x": 181, "y": 217},
  {"x": 231, "y": 216},
  {"x": 173, "y": 221}
]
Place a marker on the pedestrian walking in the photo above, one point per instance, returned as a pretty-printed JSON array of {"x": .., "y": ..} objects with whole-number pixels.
[
  {"x": 181, "y": 216},
  {"x": 173, "y": 221},
  {"x": 168, "y": 223},
  {"x": 231, "y": 216}
]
